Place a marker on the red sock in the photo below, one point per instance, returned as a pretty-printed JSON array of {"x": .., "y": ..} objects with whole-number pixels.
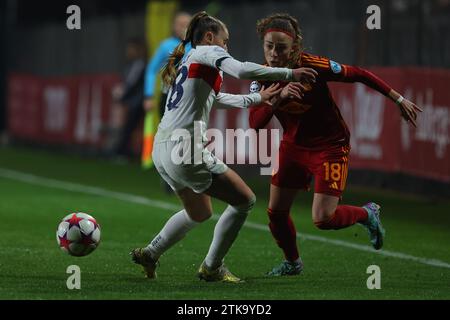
[
  {"x": 283, "y": 230},
  {"x": 343, "y": 217}
]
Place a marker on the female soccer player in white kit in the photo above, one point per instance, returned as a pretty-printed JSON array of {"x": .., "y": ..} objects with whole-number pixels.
[{"x": 180, "y": 153}]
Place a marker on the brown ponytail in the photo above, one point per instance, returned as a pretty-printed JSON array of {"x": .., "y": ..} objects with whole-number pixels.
[{"x": 200, "y": 24}]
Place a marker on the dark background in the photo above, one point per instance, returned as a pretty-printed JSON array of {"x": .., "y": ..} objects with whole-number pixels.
[{"x": 34, "y": 37}]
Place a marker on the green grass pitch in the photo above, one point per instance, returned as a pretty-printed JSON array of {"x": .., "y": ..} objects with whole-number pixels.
[{"x": 415, "y": 263}]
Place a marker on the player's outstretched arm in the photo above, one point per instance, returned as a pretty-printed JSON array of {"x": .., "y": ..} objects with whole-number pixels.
[
  {"x": 226, "y": 100},
  {"x": 250, "y": 70},
  {"x": 408, "y": 109}
]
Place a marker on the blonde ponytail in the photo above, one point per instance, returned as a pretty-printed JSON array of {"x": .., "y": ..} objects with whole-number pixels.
[{"x": 169, "y": 71}]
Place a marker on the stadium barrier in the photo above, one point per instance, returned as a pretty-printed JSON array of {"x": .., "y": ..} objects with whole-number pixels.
[
  {"x": 73, "y": 110},
  {"x": 60, "y": 110},
  {"x": 382, "y": 141}
]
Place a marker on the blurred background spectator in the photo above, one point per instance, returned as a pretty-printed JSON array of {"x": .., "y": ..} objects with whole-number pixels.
[
  {"x": 131, "y": 93},
  {"x": 157, "y": 61}
]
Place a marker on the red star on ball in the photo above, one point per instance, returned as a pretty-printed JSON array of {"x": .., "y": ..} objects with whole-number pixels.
[
  {"x": 64, "y": 243},
  {"x": 74, "y": 220}
]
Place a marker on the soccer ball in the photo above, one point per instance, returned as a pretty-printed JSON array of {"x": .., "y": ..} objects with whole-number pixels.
[{"x": 78, "y": 234}]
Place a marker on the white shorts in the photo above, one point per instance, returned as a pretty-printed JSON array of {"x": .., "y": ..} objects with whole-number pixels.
[{"x": 181, "y": 169}]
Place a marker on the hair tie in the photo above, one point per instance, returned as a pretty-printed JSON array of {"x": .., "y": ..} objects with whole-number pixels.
[{"x": 280, "y": 30}]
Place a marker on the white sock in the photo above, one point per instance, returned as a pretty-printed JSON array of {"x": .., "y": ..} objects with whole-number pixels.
[
  {"x": 173, "y": 231},
  {"x": 225, "y": 232}
]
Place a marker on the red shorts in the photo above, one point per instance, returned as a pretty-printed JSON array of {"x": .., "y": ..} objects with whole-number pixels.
[{"x": 297, "y": 166}]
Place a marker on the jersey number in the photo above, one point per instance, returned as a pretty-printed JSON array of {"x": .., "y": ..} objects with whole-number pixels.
[
  {"x": 177, "y": 89},
  {"x": 336, "y": 171}
]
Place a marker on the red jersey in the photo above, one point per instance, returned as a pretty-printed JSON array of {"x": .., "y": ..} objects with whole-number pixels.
[{"x": 315, "y": 122}]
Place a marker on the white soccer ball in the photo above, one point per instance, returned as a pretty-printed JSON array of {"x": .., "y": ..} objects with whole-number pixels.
[{"x": 78, "y": 234}]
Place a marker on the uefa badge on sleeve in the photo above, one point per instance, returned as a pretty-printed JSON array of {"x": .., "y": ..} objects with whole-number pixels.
[{"x": 335, "y": 67}]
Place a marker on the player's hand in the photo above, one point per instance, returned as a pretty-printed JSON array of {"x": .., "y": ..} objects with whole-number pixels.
[
  {"x": 270, "y": 92},
  {"x": 292, "y": 90},
  {"x": 149, "y": 104},
  {"x": 409, "y": 111},
  {"x": 307, "y": 75}
]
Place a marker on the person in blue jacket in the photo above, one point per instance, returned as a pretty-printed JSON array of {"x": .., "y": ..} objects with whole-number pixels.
[{"x": 159, "y": 59}]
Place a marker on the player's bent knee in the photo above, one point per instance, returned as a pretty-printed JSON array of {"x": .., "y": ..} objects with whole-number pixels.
[
  {"x": 321, "y": 217},
  {"x": 247, "y": 206},
  {"x": 322, "y": 224}
]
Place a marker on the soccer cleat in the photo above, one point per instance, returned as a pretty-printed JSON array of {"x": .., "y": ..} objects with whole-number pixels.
[
  {"x": 286, "y": 268},
  {"x": 373, "y": 225},
  {"x": 221, "y": 274},
  {"x": 143, "y": 257}
]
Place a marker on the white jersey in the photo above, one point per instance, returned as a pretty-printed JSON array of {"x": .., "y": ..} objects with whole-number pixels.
[{"x": 197, "y": 86}]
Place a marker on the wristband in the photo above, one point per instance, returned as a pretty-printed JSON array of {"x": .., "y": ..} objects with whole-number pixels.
[{"x": 399, "y": 100}]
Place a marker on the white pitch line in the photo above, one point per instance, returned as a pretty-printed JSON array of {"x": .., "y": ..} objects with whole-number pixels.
[{"x": 74, "y": 187}]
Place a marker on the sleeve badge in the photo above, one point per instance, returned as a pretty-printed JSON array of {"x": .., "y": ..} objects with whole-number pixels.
[{"x": 335, "y": 67}]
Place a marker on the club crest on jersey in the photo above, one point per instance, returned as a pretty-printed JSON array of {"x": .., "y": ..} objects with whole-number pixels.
[
  {"x": 336, "y": 67},
  {"x": 255, "y": 87}
]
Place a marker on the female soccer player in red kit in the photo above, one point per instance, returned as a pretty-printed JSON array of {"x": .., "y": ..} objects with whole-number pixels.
[{"x": 316, "y": 140}]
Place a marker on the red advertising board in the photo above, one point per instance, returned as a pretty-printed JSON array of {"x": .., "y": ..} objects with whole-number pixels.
[
  {"x": 62, "y": 110},
  {"x": 381, "y": 140}
]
